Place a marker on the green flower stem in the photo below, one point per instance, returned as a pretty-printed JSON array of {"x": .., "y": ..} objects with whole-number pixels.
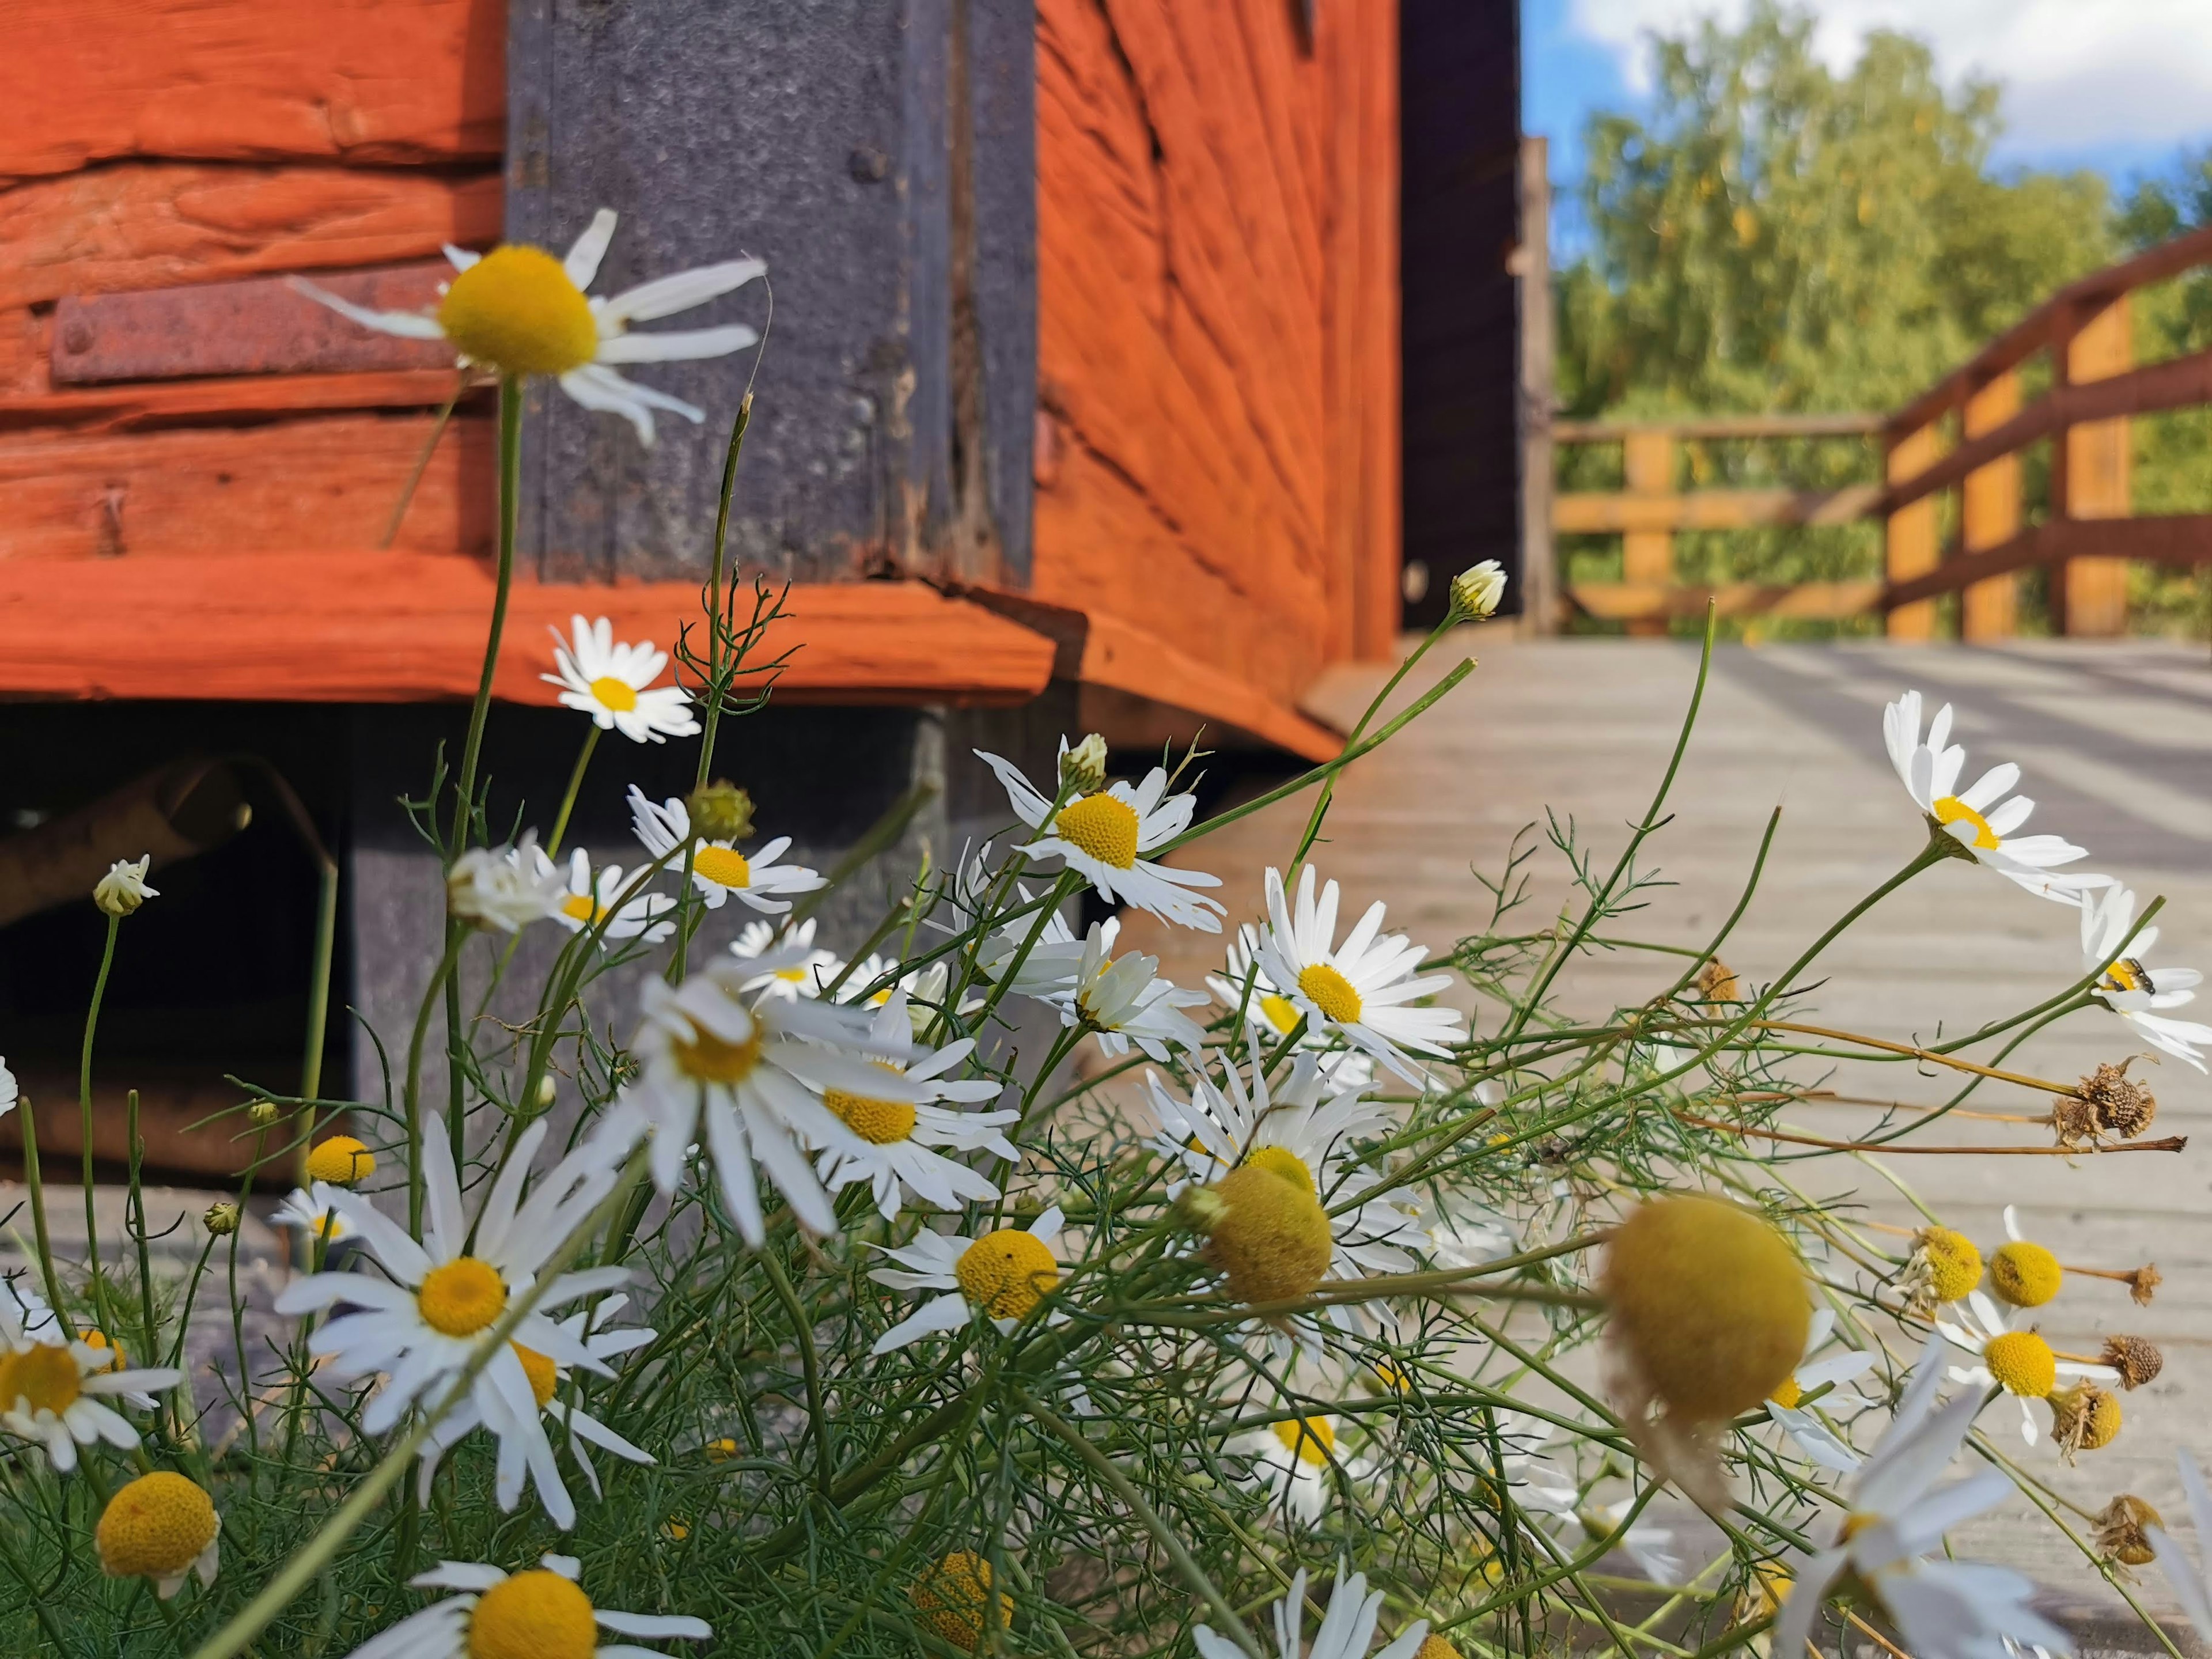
[
  {"x": 84, "y": 1128},
  {"x": 811, "y": 1363},
  {"x": 28, "y": 1121},
  {"x": 575, "y": 786},
  {"x": 412, "y": 1097},
  {"x": 510, "y": 491}
]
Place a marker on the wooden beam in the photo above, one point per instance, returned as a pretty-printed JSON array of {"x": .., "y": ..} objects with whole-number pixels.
[
  {"x": 1722, "y": 426},
  {"x": 1989, "y": 514},
  {"x": 1540, "y": 569},
  {"x": 2178, "y": 538},
  {"x": 362, "y": 627},
  {"x": 1598, "y": 513},
  {"x": 1647, "y": 552},
  {"x": 1910, "y": 538},
  {"x": 2093, "y": 478},
  {"x": 236, "y": 400},
  {"x": 1629, "y": 601}
]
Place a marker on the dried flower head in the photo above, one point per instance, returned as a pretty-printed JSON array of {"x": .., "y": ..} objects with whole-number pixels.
[
  {"x": 2136, "y": 1358},
  {"x": 2143, "y": 1283},
  {"x": 2121, "y": 1532},
  {"x": 1716, "y": 982},
  {"x": 2084, "y": 1418},
  {"x": 2104, "y": 1102}
]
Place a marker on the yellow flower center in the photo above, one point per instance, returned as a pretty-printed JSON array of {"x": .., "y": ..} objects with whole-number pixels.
[
  {"x": 2022, "y": 1364},
  {"x": 1951, "y": 809},
  {"x": 99, "y": 1339},
  {"x": 461, "y": 1297},
  {"x": 156, "y": 1527},
  {"x": 2024, "y": 1274},
  {"x": 340, "y": 1161},
  {"x": 582, "y": 906},
  {"x": 1789, "y": 1394},
  {"x": 1006, "y": 1272},
  {"x": 1282, "y": 1161},
  {"x": 1273, "y": 1237},
  {"x": 708, "y": 1059},
  {"x": 544, "y": 1376},
  {"x": 620, "y": 696},
  {"x": 42, "y": 1377},
  {"x": 1331, "y": 993},
  {"x": 726, "y": 866},
  {"x": 1102, "y": 826},
  {"x": 878, "y": 1122},
  {"x": 1954, "y": 1266},
  {"x": 1311, "y": 1439},
  {"x": 2127, "y": 975},
  {"x": 1709, "y": 1302},
  {"x": 952, "y": 1597},
  {"x": 1435, "y": 1647},
  {"x": 1279, "y": 1011},
  {"x": 516, "y": 310},
  {"x": 720, "y": 1451},
  {"x": 532, "y": 1615}
]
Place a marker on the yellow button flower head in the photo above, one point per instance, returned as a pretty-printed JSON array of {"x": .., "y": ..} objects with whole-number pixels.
[
  {"x": 160, "y": 1527},
  {"x": 1265, "y": 1228},
  {"x": 953, "y": 1597},
  {"x": 2022, "y": 1272},
  {"x": 520, "y": 311},
  {"x": 2084, "y": 1418},
  {"x": 1945, "y": 1266},
  {"x": 540, "y": 1613},
  {"x": 340, "y": 1161},
  {"x": 1002, "y": 1275},
  {"x": 2020, "y": 1361}
]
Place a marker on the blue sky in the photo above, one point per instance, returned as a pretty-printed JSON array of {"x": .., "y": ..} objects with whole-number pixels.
[{"x": 2119, "y": 86}]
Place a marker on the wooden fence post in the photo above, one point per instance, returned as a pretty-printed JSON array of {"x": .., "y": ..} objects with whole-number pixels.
[
  {"x": 1908, "y": 534},
  {"x": 1989, "y": 513},
  {"x": 2091, "y": 477},
  {"x": 1648, "y": 555},
  {"x": 1539, "y": 570}
]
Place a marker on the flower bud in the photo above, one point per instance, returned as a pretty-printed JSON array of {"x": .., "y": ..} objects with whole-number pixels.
[
  {"x": 222, "y": 1218},
  {"x": 1083, "y": 769},
  {"x": 262, "y": 1114},
  {"x": 546, "y": 1090},
  {"x": 719, "y": 811},
  {"x": 1477, "y": 591},
  {"x": 123, "y": 888}
]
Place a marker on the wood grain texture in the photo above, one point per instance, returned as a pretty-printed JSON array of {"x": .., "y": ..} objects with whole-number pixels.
[
  {"x": 242, "y": 399},
  {"x": 183, "y": 492},
  {"x": 89, "y": 80},
  {"x": 359, "y": 627},
  {"x": 1912, "y": 544},
  {"x": 1989, "y": 513},
  {"x": 2093, "y": 478},
  {"x": 149, "y": 224},
  {"x": 1216, "y": 470}
]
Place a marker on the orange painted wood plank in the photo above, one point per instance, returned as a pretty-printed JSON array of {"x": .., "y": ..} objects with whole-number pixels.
[
  {"x": 86, "y": 80},
  {"x": 1130, "y": 658},
  {"x": 319, "y": 482},
  {"x": 149, "y": 224},
  {"x": 128, "y": 407},
  {"x": 365, "y": 627}
]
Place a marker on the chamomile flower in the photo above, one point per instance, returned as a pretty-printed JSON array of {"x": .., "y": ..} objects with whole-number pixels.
[
  {"x": 520, "y": 311},
  {"x": 1294, "y": 1458},
  {"x": 505, "y": 888},
  {"x": 1361, "y": 988},
  {"x": 757, "y": 1075},
  {"x": 124, "y": 889},
  {"x": 160, "y": 1526},
  {"x": 2133, "y": 991},
  {"x": 1001, "y": 1276},
  {"x": 1270, "y": 1016},
  {"x": 2021, "y": 1272},
  {"x": 313, "y": 1209},
  {"x": 1102, "y": 836},
  {"x": 1980, "y": 819},
  {"x": 719, "y": 871},
  {"x": 523, "y": 1442},
  {"x": 787, "y": 968},
  {"x": 595, "y": 899},
  {"x": 1346, "y": 1632},
  {"x": 7, "y": 1091},
  {"x": 613, "y": 682},
  {"x": 1895, "y": 1516},
  {"x": 1786, "y": 1404},
  {"x": 1123, "y": 1000},
  {"x": 54, "y": 1392},
  {"x": 538, "y": 1614},
  {"x": 2019, "y": 1362},
  {"x": 420, "y": 1321},
  {"x": 898, "y": 1137},
  {"x": 1648, "y": 1543}
]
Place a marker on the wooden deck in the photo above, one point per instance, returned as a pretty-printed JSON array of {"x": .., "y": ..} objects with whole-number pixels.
[{"x": 2116, "y": 743}]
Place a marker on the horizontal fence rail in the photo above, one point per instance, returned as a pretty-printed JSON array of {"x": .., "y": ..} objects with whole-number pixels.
[{"x": 1965, "y": 434}]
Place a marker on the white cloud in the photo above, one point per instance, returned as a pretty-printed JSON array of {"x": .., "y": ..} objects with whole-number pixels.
[{"x": 2077, "y": 73}]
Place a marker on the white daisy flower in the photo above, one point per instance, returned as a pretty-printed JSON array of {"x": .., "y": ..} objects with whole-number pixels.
[
  {"x": 1647, "y": 1542},
  {"x": 614, "y": 684},
  {"x": 1785, "y": 1405},
  {"x": 2133, "y": 991},
  {"x": 1001, "y": 1276},
  {"x": 1895, "y": 1516},
  {"x": 540, "y": 1611},
  {"x": 1271, "y": 1015},
  {"x": 505, "y": 888},
  {"x": 518, "y": 1441},
  {"x": 520, "y": 311},
  {"x": 757, "y": 1075},
  {"x": 1462, "y": 1232},
  {"x": 896, "y": 1136},
  {"x": 313, "y": 1209},
  {"x": 2190, "y": 1587},
  {"x": 53, "y": 1392},
  {"x": 1123, "y": 1001},
  {"x": 2019, "y": 1362},
  {"x": 1294, "y": 1458},
  {"x": 123, "y": 888},
  {"x": 1347, "y": 1629},
  {"x": 1359, "y": 988},
  {"x": 7, "y": 1092},
  {"x": 789, "y": 968},
  {"x": 421, "y": 1323},
  {"x": 719, "y": 871},
  {"x": 1102, "y": 836},
  {"x": 24, "y": 1305},
  {"x": 160, "y": 1527},
  {"x": 590, "y": 899},
  {"x": 1981, "y": 819}
]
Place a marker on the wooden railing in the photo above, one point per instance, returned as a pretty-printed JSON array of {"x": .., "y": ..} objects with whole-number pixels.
[{"x": 1966, "y": 433}]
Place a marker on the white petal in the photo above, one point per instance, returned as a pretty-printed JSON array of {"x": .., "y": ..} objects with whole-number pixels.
[{"x": 585, "y": 254}]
